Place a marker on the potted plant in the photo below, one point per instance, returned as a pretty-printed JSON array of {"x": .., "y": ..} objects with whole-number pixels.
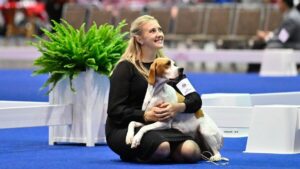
[{"x": 78, "y": 63}]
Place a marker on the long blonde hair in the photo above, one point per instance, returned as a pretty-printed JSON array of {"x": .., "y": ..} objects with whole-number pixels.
[{"x": 133, "y": 52}]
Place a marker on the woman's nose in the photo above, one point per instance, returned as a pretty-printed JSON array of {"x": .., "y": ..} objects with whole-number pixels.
[{"x": 160, "y": 33}]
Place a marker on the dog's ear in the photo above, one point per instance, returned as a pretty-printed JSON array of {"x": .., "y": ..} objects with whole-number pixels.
[{"x": 151, "y": 78}]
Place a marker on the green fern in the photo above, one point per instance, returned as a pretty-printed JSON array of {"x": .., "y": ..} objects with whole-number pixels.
[{"x": 67, "y": 51}]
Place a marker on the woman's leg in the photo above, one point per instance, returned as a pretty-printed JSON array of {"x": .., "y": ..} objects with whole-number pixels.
[
  {"x": 187, "y": 152},
  {"x": 161, "y": 153}
]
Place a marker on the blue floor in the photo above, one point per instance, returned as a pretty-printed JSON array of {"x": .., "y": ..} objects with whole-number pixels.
[
  {"x": 21, "y": 85},
  {"x": 27, "y": 148}
]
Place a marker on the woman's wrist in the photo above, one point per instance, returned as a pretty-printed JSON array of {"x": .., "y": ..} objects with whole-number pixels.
[{"x": 145, "y": 117}]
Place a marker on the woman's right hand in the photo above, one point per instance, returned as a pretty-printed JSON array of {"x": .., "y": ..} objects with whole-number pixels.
[
  {"x": 162, "y": 112},
  {"x": 151, "y": 115}
]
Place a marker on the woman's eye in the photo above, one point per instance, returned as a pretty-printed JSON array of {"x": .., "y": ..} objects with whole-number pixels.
[{"x": 152, "y": 30}]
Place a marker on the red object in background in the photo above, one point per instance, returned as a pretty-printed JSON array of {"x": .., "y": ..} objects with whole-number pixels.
[
  {"x": 37, "y": 10},
  {"x": 9, "y": 5},
  {"x": 8, "y": 11},
  {"x": 31, "y": 9}
]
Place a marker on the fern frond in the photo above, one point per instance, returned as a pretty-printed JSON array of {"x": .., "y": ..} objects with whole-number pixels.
[{"x": 66, "y": 51}]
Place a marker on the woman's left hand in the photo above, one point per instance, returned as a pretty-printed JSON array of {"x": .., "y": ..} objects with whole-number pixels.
[{"x": 168, "y": 110}]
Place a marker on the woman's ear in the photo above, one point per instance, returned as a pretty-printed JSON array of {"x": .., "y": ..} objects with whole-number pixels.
[
  {"x": 139, "y": 40},
  {"x": 151, "y": 78}
]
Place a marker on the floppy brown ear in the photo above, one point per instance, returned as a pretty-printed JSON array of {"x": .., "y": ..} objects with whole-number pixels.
[{"x": 151, "y": 78}]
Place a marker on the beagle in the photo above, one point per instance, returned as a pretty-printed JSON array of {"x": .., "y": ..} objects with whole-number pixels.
[{"x": 161, "y": 71}]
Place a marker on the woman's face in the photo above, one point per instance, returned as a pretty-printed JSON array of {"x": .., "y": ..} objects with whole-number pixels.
[{"x": 152, "y": 35}]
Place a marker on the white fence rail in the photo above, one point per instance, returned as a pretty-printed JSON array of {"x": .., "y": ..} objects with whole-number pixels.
[
  {"x": 32, "y": 114},
  {"x": 13, "y": 54}
]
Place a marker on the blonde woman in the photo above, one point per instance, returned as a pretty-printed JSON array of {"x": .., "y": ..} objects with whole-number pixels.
[{"x": 127, "y": 91}]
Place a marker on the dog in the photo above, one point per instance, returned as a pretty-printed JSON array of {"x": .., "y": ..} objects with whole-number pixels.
[{"x": 161, "y": 71}]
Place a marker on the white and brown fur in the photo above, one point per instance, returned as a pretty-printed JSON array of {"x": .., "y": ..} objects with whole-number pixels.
[{"x": 158, "y": 91}]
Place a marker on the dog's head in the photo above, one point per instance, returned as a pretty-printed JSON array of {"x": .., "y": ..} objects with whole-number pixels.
[{"x": 163, "y": 68}]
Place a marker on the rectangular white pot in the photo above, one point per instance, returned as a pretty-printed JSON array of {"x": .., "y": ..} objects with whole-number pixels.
[{"x": 89, "y": 107}]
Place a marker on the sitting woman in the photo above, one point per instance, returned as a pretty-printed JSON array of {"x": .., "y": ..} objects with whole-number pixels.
[{"x": 128, "y": 88}]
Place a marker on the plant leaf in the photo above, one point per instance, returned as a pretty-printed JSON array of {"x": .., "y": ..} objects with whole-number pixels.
[{"x": 66, "y": 51}]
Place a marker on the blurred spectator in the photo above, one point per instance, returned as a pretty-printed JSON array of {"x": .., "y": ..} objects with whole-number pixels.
[
  {"x": 288, "y": 33},
  {"x": 223, "y": 1},
  {"x": 93, "y": 2},
  {"x": 136, "y": 4},
  {"x": 112, "y": 5},
  {"x": 54, "y": 9},
  {"x": 255, "y": 1},
  {"x": 22, "y": 17}
]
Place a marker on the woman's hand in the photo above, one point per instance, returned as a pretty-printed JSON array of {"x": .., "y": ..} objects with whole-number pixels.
[
  {"x": 151, "y": 115},
  {"x": 169, "y": 110},
  {"x": 164, "y": 111}
]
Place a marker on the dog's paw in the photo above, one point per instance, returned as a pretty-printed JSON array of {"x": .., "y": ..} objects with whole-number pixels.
[
  {"x": 129, "y": 137},
  {"x": 136, "y": 140},
  {"x": 216, "y": 157}
]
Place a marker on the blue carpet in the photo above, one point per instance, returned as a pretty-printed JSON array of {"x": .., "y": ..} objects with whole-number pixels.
[
  {"x": 27, "y": 148},
  {"x": 242, "y": 83},
  {"x": 20, "y": 85}
]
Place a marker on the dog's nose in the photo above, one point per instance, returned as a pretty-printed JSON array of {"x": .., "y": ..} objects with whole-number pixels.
[{"x": 180, "y": 70}]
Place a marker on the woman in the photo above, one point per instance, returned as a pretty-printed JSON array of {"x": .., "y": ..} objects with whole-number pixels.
[{"x": 127, "y": 91}]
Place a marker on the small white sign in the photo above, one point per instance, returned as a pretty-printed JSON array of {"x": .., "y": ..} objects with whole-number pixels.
[
  {"x": 283, "y": 35},
  {"x": 185, "y": 87}
]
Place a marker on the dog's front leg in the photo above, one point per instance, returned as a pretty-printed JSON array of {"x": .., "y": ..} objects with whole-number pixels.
[
  {"x": 154, "y": 126},
  {"x": 130, "y": 131}
]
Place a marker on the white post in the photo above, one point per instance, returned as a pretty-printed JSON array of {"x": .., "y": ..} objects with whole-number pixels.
[{"x": 278, "y": 62}]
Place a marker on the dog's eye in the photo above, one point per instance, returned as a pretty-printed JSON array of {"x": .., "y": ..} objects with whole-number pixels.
[{"x": 168, "y": 63}]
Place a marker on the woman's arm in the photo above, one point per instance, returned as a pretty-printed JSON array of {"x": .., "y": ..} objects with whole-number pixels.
[
  {"x": 120, "y": 110},
  {"x": 282, "y": 36},
  {"x": 192, "y": 101}
]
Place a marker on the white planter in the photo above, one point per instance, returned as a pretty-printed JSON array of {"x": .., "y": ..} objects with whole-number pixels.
[{"x": 89, "y": 104}]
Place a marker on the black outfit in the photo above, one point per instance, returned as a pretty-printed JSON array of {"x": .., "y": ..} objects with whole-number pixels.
[{"x": 127, "y": 91}]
